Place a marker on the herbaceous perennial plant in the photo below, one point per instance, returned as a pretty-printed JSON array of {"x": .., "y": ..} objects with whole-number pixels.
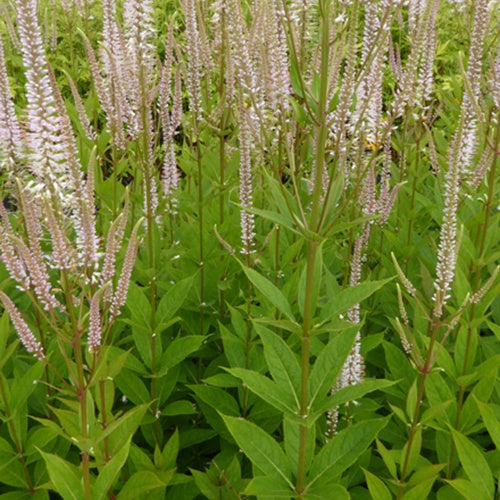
[{"x": 249, "y": 249}]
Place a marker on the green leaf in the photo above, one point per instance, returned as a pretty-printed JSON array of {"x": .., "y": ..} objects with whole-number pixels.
[
  {"x": 276, "y": 217},
  {"x": 281, "y": 361},
  {"x": 178, "y": 351},
  {"x": 475, "y": 465},
  {"x": 376, "y": 487},
  {"x": 351, "y": 393},
  {"x": 434, "y": 412},
  {"x": 387, "y": 458},
  {"x": 266, "y": 389},
  {"x": 341, "y": 452},
  {"x": 23, "y": 387},
  {"x": 64, "y": 476},
  {"x": 490, "y": 421},
  {"x": 171, "y": 302},
  {"x": 335, "y": 490},
  {"x": 207, "y": 488},
  {"x": 234, "y": 347},
  {"x": 329, "y": 363},
  {"x": 170, "y": 451},
  {"x": 180, "y": 407},
  {"x": 465, "y": 488},
  {"x": 349, "y": 297},
  {"x": 110, "y": 471},
  {"x": 138, "y": 305},
  {"x": 269, "y": 487},
  {"x": 139, "y": 484},
  {"x": 124, "y": 427},
  {"x": 132, "y": 387},
  {"x": 421, "y": 490},
  {"x": 270, "y": 291},
  {"x": 11, "y": 471},
  {"x": 216, "y": 398},
  {"x": 262, "y": 450}
]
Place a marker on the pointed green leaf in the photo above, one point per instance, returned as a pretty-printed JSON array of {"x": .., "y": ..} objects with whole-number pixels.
[
  {"x": 269, "y": 487},
  {"x": 387, "y": 458},
  {"x": 206, "y": 486},
  {"x": 171, "y": 302},
  {"x": 421, "y": 490},
  {"x": 122, "y": 428},
  {"x": 138, "y": 305},
  {"x": 262, "y": 450},
  {"x": 349, "y": 297},
  {"x": 335, "y": 490},
  {"x": 170, "y": 451},
  {"x": 270, "y": 291},
  {"x": 351, "y": 393},
  {"x": 490, "y": 421},
  {"x": 475, "y": 465},
  {"x": 341, "y": 452},
  {"x": 110, "y": 472},
  {"x": 132, "y": 387},
  {"x": 216, "y": 398},
  {"x": 465, "y": 488},
  {"x": 64, "y": 476},
  {"x": 329, "y": 363},
  {"x": 234, "y": 347},
  {"x": 281, "y": 361},
  {"x": 139, "y": 484},
  {"x": 178, "y": 350},
  {"x": 266, "y": 389},
  {"x": 376, "y": 487}
]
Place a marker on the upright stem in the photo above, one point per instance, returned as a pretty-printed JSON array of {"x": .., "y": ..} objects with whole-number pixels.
[
  {"x": 312, "y": 244},
  {"x": 81, "y": 384},
  {"x": 200, "y": 236},
  {"x": 416, "y": 415},
  {"x": 248, "y": 338}
]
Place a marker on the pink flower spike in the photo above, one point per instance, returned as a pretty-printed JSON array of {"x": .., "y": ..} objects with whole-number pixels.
[{"x": 25, "y": 334}]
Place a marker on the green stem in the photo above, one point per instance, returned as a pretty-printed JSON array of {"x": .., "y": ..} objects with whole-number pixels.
[
  {"x": 416, "y": 415},
  {"x": 248, "y": 338},
  {"x": 312, "y": 246},
  {"x": 81, "y": 385},
  {"x": 201, "y": 238}
]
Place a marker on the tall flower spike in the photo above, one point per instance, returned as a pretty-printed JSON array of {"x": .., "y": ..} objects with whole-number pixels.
[
  {"x": 139, "y": 34},
  {"x": 447, "y": 250},
  {"x": 48, "y": 151},
  {"x": 469, "y": 136},
  {"x": 82, "y": 114},
  {"x": 113, "y": 241},
  {"x": 8, "y": 255},
  {"x": 10, "y": 130},
  {"x": 95, "y": 329},
  {"x": 246, "y": 218},
  {"x": 25, "y": 334},
  {"x": 170, "y": 120},
  {"x": 120, "y": 295},
  {"x": 194, "y": 72}
]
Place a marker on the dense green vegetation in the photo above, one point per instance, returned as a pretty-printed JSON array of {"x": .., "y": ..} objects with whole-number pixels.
[{"x": 249, "y": 249}]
